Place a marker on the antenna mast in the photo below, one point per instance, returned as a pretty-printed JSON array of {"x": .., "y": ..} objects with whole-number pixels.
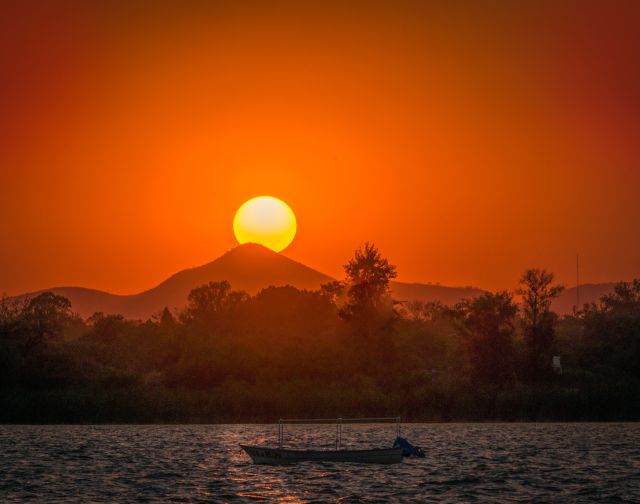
[{"x": 577, "y": 281}]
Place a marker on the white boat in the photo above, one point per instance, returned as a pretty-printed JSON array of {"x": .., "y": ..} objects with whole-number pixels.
[{"x": 280, "y": 455}]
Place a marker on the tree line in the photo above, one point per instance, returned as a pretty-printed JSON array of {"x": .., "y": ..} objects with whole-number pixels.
[{"x": 346, "y": 349}]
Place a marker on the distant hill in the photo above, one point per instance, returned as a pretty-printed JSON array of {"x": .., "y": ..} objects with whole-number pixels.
[
  {"x": 589, "y": 293},
  {"x": 252, "y": 267},
  {"x": 430, "y": 292},
  {"x": 248, "y": 267}
]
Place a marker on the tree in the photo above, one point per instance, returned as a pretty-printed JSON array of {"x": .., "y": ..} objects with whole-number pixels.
[
  {"x": 612, "y": 329},
  {"x": 11, "y": 338},
  {"x": 332, "y": 291},
  {"x": 107, "y": 328},
  {"x": 369, "y": 308},
  {"x": 10, "y": 312},
  {"x": 488, "y": 323},
  {"x": 211, "y": 303},
  {"x": 44, "y": 316},
  {"x": 368, "y": 276},
  {"x": 538, "y": 320},
  {"x": 164, "y": 318},
  {"x": 624, "y": 300},
  {"x": 417, "y": 311}
]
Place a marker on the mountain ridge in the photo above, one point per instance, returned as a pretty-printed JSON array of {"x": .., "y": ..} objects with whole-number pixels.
[{"x": 252, "y": 267}]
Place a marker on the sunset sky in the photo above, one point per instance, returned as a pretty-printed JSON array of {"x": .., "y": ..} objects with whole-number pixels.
[{"x": 468, "y": 140}]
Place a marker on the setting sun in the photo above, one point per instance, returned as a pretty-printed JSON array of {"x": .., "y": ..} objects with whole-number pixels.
[{"x": 265, "y": 220}]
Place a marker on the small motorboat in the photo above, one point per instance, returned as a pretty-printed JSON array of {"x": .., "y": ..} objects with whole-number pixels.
[
  {"x": 279, "y": 455},
  {"x": 266, "y": 455}
]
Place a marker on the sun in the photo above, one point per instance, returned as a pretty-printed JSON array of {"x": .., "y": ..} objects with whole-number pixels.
[{"x": 265, "y": 220}]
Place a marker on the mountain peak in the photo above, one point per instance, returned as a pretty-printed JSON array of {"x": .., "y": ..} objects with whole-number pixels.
[
  {"x": 249, "y": 251},
  {"x": 248, "y": 267},
  {"x": 252, "y": 266}
]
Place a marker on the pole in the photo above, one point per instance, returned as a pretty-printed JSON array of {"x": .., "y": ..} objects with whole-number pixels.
[{"x": 577, "y": 282}]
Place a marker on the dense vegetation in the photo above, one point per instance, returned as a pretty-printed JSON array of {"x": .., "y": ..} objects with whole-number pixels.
[{"x": 345, "y": 350}]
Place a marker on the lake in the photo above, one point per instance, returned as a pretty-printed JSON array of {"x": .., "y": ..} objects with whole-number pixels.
[{"x": 203, "y": 463}]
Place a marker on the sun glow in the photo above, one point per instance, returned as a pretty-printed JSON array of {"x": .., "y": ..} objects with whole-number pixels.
[{"x": 265, "y": 220}]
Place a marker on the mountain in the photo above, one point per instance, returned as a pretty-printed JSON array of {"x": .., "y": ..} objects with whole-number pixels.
[
  {"x": 248, "y": 267},
  {"x": 252, "y": 267}
]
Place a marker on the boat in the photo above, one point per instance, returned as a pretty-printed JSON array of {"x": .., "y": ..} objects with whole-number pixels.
[
  {"x": 276, "y": 456},
  {"x": 279, "y": 455}
]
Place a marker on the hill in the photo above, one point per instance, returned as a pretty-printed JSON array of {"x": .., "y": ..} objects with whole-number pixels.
[
  {"x": 589, "y": 293},
  {"x": 430, "y": 292},
  {"x": 252, "y": 267},
  {"x": 248, "y": 267}
]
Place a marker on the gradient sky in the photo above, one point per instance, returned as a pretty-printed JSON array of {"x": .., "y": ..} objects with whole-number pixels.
[{"x": 468, "y": 140}]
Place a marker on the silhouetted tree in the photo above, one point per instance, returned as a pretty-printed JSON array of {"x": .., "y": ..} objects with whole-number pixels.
[
  {"x": 612, "y": 329},
  {"x": 107, "y": 328},
  {"x": 10, "y": 313},
  {"x": 538, "y": 320},
  {"x": 624, "y": 300},
  {"x": 418, "y": 311},
  {"x": 369, "y": 308},
  {"x": 209, "y": 305},
  {"x": 11, "y": 338},
  {"x": 165, "y": 318},
  {"x": 488, "y": 322},
  {"x": 44, "y": 316},
  {"x": 332, "y": 291},
  {"x": 368, "y": 275}
]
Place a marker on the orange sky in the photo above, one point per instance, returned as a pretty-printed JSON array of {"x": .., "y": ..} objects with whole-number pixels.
[{"x": 467, "y": 140}]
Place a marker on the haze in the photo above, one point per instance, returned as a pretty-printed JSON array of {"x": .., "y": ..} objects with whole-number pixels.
[{"x": 469, "y": 141}]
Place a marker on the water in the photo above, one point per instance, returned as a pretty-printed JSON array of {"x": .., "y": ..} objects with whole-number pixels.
[{"x": 203, "y": 463}]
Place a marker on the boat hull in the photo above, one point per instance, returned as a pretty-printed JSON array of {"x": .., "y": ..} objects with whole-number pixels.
[{"x": 277, "y": 456}]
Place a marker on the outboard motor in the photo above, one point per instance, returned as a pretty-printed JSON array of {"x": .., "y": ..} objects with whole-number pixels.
[{"x": 408, "y": 450}]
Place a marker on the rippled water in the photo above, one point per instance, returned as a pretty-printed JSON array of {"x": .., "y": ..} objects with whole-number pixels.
[{"x": 203, "y": 463}]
